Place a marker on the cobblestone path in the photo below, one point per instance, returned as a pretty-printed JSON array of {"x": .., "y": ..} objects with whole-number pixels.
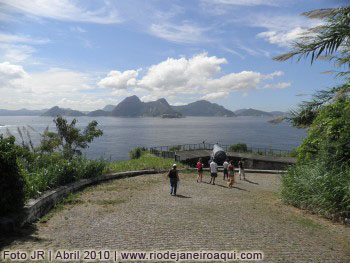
[{"x": 139, "y": 214}]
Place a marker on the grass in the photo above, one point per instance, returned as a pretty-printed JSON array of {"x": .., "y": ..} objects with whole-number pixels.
[
  {"x": 146, "y": 161},
  {"x": 309, "y": 224},
  {"x": 318, "y": 188},
  {"x": 70, "y": 199}
]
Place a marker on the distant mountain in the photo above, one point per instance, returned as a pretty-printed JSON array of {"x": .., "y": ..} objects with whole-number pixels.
[
  {"x": 203, "y": 108},
  {"x": 21, "y": 112},
  {"x": 252, "y": 112},
  {"x": 54, "y": 111},
  {"x": 109, "y": 107},
  {"x": 134, "y": 107},
  {"x": 278, "y": 113},
  {"x": 99, "y": 113}
]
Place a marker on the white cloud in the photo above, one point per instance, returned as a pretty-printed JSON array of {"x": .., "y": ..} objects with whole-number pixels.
[
  {"x": 148, "y": 98},
  {"x": 246, "y": 2},
  {"x": 11, "y": 38},
  {"x": 18, "y": 48},
  {"x": 280, "y": 85},
  {"x": 77, "y": 29},
  {"x": 185, "y": 33},
  {"x": 65, "y": 10},
  {"x": 200, "y": 75},
  {"x": 181, "y": 75},
  {"x": 178, "y": 104},
  {"x": 215, "y": 95},
  {"x": 282, "y": 30},
  {"x": 119, "y": 80},
  {"x": 282, "y": 38},
  {"x": 121, "y": 93},
  {"x": 10, "y": 74}
]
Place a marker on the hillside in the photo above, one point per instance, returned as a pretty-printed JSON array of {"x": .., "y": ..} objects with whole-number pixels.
[
  {"x": 203, "y": 108},
  {"x": 57, "y": 111},
  {"x": 21, "y": 112},
  {"x": 253, "y": 112}
]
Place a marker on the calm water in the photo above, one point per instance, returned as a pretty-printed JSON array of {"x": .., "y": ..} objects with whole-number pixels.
[{"x": 122, "y": 134}]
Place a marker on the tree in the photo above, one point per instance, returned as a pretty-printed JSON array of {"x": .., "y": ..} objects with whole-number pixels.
[
  {"x": 328, "y": 41},
  {"x": 68, "y": 138},
  {"x": 11, "y": 182},
  {"x": 325, "y": 39}
]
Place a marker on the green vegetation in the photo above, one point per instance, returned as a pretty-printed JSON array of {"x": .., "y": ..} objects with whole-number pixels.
[
  {"x": 136, "y": 153},
  {"x": 175, "y": 148},
  {"x": 320, "y": 181},
  {"x": 239, "y": 147},
  {"x": 27, "y": 171},
  {"x": 11, "y": 181},
  {"x": 317, "y": 187},
  {"x": 146, "y": 161}
]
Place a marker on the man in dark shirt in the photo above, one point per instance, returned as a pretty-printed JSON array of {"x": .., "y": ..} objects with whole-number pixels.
[{"x": 174, "y": 178}]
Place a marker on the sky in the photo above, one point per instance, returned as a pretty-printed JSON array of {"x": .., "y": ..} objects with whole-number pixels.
[{"x": 85, "y": 54}]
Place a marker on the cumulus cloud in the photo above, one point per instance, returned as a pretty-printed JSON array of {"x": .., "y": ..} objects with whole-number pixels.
[
  {"x": 181, "y": 75},
  {"x": 215, "y": 95},
  {"x": 45, "y": 89},
  {"x": 119, "y": 80},
  {"x": 10, "y": 74},
  {"x": 200, "y": 74},
  {"x": 64, "y": 10}
]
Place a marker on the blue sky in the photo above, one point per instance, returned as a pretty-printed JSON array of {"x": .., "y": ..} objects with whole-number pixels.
[{"x": 85, "y": 54}]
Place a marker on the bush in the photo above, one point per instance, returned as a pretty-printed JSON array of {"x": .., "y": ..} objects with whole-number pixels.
[
  {"x": 135, "y": 153},
  {"x": 11, "y": 181},
  {"x": 239, "y": 147},
  {"x": 57, "y": 172},
  {"x": 175, "y": 148},
  {"x": 321, "y": 189}
]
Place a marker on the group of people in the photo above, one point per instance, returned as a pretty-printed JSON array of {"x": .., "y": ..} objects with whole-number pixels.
[{"x": 229, "y": 173}]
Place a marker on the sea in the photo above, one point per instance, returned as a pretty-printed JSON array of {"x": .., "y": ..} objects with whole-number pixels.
[{"x": 120, "y": 135}]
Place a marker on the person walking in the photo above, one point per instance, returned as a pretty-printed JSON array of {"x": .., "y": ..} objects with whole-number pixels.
[
  {"x": 231, "y": 174},
  {"x": 213, "y": 171},
  {"x": 200, "y": 170},
  {"x": 174, "y": 179},
  {"x": 225, "y": 169},
  {"x": 241, "y": 169}
]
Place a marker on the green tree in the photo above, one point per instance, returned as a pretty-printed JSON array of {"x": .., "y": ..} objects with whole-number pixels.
[
  {"x": 328, "y": 41},
  {"x": 324, "y": 41},
  {"x": 11, "y": 182},
  {"x": 68, "y": 138}
]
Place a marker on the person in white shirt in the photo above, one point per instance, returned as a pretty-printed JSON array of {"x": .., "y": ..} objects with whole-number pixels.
[
  {"x": 213, "y": 171},
  {"x": 225, "y": 168}
]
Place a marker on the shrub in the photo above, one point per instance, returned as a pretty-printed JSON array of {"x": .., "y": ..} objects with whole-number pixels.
[
  {"x": 239, "y": 147},
  {"x": 58, "y": 171},
  {"x": 321, "y": 189},
  {"x": 11, "y": 181},
  {"x": 135, "y": 153},
  {"x": 175, "y": 148}
]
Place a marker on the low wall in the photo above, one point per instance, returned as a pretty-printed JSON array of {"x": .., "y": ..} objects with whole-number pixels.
[{"x": 36, "y": 208}]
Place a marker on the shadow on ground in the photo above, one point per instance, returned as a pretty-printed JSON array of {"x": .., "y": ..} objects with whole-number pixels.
[{"x": 26, "y": 233}]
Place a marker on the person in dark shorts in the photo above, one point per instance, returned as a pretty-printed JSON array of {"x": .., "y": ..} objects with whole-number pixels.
[
  {"x": 213, "y": 171},
  {"x": 225, "y": 165},
  {"x": 174, "y": 178}
]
